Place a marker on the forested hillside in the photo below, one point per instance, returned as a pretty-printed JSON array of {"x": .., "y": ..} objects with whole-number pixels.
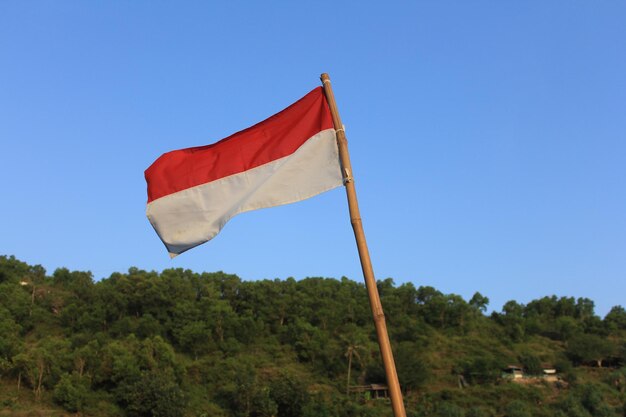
[{"x": 180, "y": 343}]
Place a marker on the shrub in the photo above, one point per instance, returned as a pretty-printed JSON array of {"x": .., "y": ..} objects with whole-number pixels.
[{"x": 71, "y": 392}]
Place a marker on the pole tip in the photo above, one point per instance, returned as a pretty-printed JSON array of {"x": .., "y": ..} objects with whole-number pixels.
[{"x": 325, "y": 78}]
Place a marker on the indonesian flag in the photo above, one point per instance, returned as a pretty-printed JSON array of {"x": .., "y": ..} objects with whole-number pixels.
[{"x": 288, "y": 157}]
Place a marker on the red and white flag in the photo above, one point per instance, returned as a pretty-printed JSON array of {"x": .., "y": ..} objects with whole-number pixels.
[{"x": 288, "y": 157}]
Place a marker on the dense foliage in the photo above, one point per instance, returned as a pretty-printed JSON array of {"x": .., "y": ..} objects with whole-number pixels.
[{"x": 181, "y": 343}]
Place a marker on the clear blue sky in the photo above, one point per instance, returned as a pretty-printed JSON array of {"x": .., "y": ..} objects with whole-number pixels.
[{"x": 488, "y": 139}]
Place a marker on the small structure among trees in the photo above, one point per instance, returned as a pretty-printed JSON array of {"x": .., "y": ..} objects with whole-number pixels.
[
  {"x": 371, "y": 391},
  {"x": 513, "y": 372},
  {"x": 550, "y": 375}
]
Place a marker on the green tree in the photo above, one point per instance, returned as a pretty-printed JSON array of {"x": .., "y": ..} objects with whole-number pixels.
[
  {"x": 16, "y": 301},
  {"x": 289, "y": 393},
  {"x": 71, "y": 392},
  {"x": 86, "y": 358},
  {"x": 482, "y": 369},
  {"x": 412, "y": 369},
  {"x": 356, "y": 345},
  {"x": 616, "y": 319},
  {"x": 43, "y": 365},
  {"x": 10, "y": 342},
  {"x": 586, "y": 348},
  {"x": 531, "y": 364},
  {"x": 242, "y": 391},
  {"x": 194, "y": 337},
  {"x": 512, "y": 320},
  {"x": 79, "y": 283},
  {"x": 566, "y": 327},
  {"x": 479, "y": 302},
  {"x": 156, "y": 393}
]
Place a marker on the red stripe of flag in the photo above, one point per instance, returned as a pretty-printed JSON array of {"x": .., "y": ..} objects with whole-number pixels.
[{"x": 276, "y": 137}]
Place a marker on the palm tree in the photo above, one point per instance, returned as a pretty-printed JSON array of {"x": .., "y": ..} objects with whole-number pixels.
[{"x": 353, "y": 350}]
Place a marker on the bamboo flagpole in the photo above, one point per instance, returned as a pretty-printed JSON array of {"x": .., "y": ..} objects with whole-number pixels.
[{"x": 366, "y": 264}]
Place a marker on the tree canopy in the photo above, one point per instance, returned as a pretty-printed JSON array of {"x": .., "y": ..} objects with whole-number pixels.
[{"x": 181, "y": 343}]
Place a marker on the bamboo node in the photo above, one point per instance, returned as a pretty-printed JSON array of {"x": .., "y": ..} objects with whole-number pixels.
[{"x": 346, "y": 176}]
